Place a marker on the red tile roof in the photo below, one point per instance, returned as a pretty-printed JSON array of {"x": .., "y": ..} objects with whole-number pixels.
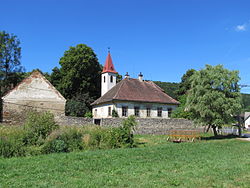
[
  {"x": 137, "y": 91},
  {"x": 109, "y": 67}
]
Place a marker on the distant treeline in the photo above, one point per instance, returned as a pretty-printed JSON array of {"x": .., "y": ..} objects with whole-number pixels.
[{"x": 171, "y": 89}]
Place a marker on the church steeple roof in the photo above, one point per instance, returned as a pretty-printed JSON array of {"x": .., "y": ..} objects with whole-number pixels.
[{"x": 109, "y": 67}]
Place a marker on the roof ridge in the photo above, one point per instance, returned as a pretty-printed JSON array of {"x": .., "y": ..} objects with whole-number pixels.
[{"x": 29, "y": 77}]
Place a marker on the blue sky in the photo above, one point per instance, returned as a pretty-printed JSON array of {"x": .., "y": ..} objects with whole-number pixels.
[{"x": 160, "y": 38}]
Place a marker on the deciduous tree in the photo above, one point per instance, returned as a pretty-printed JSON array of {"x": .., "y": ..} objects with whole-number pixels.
[
  {"x": 214, "y": 97},
  {"x": 10, "y": 55},
  {"x": 78, "y": 79}
]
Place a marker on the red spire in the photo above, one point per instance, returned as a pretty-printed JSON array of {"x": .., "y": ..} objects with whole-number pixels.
[{"x": 109, "y": 67}]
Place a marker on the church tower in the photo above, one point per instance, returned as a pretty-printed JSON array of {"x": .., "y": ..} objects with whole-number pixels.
[{"x": 108, "y": 75}]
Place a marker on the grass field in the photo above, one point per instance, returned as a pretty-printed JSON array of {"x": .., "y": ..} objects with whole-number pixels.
[{"x": 155, "y": 163}]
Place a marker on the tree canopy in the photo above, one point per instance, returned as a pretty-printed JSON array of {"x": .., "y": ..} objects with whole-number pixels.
[
  {"x": 10, "y": 55},
  {"x": 214, "y": 96},
  {"x": 169, "y": 87},
  {"x": 78, "y": 79},
  {"x": 185, "y": 83}
]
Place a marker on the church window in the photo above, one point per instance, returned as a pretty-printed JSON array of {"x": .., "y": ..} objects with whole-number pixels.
[
  {"x": 159, "y": 112},
  {"x": 104, "y": 79},
  {"x": 137, "y": 111},
  {"x": 169, "y": 112},
  {"x": 111, "y": 79},
  {"x": 148, "y": 112},
  {"x": 125, "y": 111},
  {"x": 109, "y": 111}
]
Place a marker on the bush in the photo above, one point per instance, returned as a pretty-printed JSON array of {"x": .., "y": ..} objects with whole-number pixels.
[
  {"x": 33, "y": 150},
  {"x": 88, "y": 114},
  {"x": 75, "y": 108},
  {"x": 11, "y": 141},
  {"x": 38, "y": 127},
  {"x": 65, "y": 140},
  {"x": 126, "y": 131},
  {"x": 106, "y": 138},
  {"x": 114, "y": 113}
]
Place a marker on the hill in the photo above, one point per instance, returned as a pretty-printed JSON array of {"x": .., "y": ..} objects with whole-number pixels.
[{"x": 169, "y": 87}]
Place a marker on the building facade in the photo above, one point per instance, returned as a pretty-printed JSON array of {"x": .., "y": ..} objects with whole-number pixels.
[
  {"x": 131, "y": 97},
  {"x": 34, "y": 93}
]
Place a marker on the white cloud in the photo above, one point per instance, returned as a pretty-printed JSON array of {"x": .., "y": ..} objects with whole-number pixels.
[{"x": 242, "y": 27}]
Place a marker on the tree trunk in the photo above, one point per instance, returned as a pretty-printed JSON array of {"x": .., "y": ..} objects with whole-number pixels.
[
  {"x": 215, "y": 131},
  {"x": 208, "y": 128},
  {"x": 239, "y": 126}
]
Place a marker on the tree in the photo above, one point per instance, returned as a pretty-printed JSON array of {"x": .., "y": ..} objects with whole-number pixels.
[
  {"x": 214, "y": 97},
  {"x": 78, "y": 79},
  {"x": 185, "y": 83},
  {"x": 10, "y": 55},
  {"x": 181, "y": 92},
  {"x": 181, "y": 110},
  {"x": 169, "y": 87}
]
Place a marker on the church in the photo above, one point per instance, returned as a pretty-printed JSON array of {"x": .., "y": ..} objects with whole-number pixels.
[{"x": 130, "y": 96}]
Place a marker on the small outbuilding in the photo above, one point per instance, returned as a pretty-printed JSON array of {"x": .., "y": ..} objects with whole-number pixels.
[{"x": 33, "y": 93}]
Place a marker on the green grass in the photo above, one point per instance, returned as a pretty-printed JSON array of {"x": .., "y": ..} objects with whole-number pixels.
[{"x": 156, "y": 163}]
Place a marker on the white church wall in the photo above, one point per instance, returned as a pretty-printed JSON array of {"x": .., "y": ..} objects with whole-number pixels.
[
  {"x": 102, "y": 111},
  {"x": 143, "y": 109},
  {"x": 247, "y": 123}
]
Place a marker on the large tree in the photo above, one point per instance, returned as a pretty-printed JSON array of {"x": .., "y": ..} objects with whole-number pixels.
[
  {"x": 181, "y": 92},
  {"x": 214, "y": 97},
  {"x": 185, "y": 83},
  {"x": 10, "y": 55},
  {"x": 78, "y": 79}
]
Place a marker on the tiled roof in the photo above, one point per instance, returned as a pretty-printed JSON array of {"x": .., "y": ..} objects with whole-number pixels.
[
  {"x": 109, "y": 67},
  {"x": 135, "y": 90}
]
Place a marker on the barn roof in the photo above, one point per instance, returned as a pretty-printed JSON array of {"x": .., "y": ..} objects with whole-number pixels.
[{"x": 138, "y": 91}]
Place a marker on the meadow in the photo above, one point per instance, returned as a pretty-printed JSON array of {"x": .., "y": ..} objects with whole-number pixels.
[{"x": 153, "y": 163}]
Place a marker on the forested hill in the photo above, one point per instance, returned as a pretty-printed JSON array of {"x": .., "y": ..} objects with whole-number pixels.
[
  {"x": 171, "y": 87},
  {"x": 246, "y": 101}
]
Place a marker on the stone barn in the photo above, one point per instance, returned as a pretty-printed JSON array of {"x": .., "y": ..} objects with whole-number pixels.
[{"x": 33, "y": 93}]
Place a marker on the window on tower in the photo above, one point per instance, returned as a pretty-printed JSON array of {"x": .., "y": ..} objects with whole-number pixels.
[
  {"x": 104, "y": 79},
  {"x": 111, "y": 79}
]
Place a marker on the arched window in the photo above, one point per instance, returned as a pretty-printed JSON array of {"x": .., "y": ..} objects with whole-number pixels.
[
  {"x": 104, "y": 79},
  {"x": 111, "y": 79}
]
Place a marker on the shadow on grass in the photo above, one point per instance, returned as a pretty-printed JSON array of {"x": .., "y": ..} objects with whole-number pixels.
[{"x": 219, "y": 137}]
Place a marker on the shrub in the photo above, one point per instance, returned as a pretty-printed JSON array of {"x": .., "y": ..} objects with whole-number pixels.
[
  {"x": 11, "y": 141},
  {"x": 33, "y": 150},
  {"x": 65, "y": 140},
  {"x": 126, "y": 131},
  {"x": 88, "y": 114},
  {"x": 75, "y": 108},
  {"x": 38, "y": 127},
  {"x": 92, "y": 136},
  {"x": 114, "y": 113},
  {"x": 105, "y": 138}
]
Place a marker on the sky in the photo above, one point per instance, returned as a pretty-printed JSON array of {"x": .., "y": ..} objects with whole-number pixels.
[{"x": 160, "y": 38}]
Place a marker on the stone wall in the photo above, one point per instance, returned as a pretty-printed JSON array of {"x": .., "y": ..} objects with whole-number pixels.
[
  {"x": 152, "y": 125},
  {"x": 145, "y": 125},
  {"x": 15, "y": 112},
  {"x": 69, "y": 120}
]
